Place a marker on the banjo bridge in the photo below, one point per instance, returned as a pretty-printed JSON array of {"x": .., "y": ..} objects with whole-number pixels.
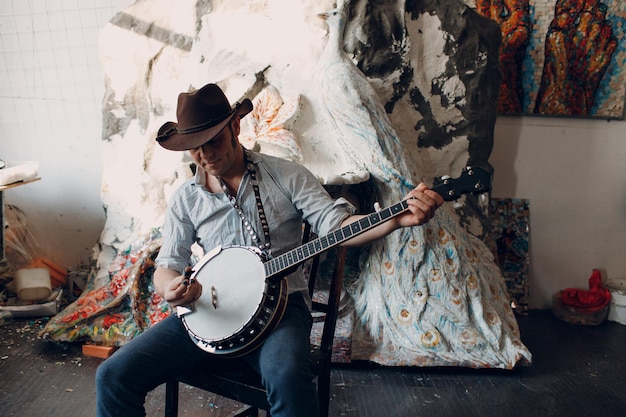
[{"x": 214, "y": 297}]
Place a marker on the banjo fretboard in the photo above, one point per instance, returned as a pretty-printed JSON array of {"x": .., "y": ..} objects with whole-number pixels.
[{"x": 282, "y": 263}]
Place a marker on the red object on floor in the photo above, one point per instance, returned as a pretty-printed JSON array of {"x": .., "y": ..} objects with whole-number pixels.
[
  {"x": 596, "y": 298},
  {"x": 98, "y": 351}
]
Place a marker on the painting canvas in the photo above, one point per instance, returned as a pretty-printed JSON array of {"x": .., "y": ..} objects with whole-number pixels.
[
  {"x": 561, "y": 57},
  {"x": 510, "y": 219}
]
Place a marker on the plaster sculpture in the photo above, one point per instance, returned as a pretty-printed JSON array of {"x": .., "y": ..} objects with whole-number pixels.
[{"x": 426, "y": 295}]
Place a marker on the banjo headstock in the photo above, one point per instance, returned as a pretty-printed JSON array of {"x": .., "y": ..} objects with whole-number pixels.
[{"x": 471, "y": 181}]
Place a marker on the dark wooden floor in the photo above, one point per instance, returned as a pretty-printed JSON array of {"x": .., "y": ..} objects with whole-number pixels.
[{"x": 576, "y": 371}]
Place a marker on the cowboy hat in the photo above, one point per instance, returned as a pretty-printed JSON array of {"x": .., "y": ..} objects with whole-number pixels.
[{"x": 201, "y": 115}]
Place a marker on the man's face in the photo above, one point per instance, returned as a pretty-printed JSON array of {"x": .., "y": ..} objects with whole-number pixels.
[{"x": 220, "y": 156}]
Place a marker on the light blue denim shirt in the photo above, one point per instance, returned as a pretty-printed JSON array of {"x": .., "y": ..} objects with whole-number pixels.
[{"x": 290, "y": 194}]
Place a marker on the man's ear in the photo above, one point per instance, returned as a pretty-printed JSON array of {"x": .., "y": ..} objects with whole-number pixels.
[{"x": 236, "y": 124}]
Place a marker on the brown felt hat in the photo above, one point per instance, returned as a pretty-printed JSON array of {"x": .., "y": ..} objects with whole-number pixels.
[{"x": 201, "y": 115}]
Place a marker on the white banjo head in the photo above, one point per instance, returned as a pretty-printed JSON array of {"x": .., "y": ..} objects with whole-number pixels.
[{"x": 233, "y": 285}]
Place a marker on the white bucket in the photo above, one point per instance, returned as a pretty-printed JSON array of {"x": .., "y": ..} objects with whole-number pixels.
[
  {"x": 617, "y": 312},
  {"x": 33, "y": 284}
]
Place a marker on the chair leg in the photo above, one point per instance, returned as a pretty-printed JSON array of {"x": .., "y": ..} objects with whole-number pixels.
[
  {"x": 323, "y": 391},
  {"x": 171, "y": 398}
]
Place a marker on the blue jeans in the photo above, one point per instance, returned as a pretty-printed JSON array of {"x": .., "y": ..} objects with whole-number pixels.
[{"x": 165, "y": 351}]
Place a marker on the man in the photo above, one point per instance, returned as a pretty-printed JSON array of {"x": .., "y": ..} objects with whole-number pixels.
[{"x": 211, "y": 209}]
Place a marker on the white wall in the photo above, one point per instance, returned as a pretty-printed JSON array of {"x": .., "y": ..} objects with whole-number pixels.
[
  {"x": 51, "y": 87},
  {"x": 573, "y": 171}
]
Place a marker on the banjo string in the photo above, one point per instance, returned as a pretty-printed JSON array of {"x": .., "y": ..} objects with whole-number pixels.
[{"x": 227, "y": 284}]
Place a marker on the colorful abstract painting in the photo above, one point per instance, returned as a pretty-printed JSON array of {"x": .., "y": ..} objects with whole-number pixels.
[
  {"x": 561, "y": 57},
  {"x": 510, "y": 218}
]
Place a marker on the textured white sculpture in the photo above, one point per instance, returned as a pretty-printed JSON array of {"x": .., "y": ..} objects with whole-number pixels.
[{"x": 429, "y": 294}]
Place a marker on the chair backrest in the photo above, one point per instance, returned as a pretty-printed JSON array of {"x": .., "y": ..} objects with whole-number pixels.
[
  {"x": 327, "y": 300},
  {"x": 244, "y": 385}
]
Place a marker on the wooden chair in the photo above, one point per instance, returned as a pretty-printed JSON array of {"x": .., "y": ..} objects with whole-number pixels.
[{"x": 243, "y": 384}]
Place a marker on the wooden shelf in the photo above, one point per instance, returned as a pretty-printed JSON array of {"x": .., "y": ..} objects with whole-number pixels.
[{"x": 17, "y": 184}]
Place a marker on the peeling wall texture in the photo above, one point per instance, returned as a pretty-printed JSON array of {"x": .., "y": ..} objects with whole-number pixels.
[
  {"x": 431, "y": 67},
  {"x": 435, "y": 64}
]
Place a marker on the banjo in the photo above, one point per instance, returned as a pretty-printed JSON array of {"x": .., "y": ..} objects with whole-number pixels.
[{"x": 244, "y": 297}]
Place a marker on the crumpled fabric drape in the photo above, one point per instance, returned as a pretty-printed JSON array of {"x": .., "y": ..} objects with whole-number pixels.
[{"x": 595, "y": 298}]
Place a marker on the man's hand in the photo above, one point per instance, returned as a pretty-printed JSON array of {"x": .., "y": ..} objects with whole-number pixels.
[
  {"x": 177, "y": 289},
  {"x": 423, "y": 203}
]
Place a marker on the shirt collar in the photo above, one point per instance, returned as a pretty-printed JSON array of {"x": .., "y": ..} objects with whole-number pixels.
[{"x": 200, "y": 177}]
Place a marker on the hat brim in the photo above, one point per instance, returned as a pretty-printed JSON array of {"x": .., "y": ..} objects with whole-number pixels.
[{"x": 170, "y": 138}]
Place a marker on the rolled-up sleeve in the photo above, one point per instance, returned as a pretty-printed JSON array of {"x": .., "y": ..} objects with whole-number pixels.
[{"x": 178, "y": 236}]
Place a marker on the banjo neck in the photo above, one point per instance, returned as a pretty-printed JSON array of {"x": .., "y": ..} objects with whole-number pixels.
[
  {"x": 472, "y": 180},
  {"x": 277, "y": 267}
]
